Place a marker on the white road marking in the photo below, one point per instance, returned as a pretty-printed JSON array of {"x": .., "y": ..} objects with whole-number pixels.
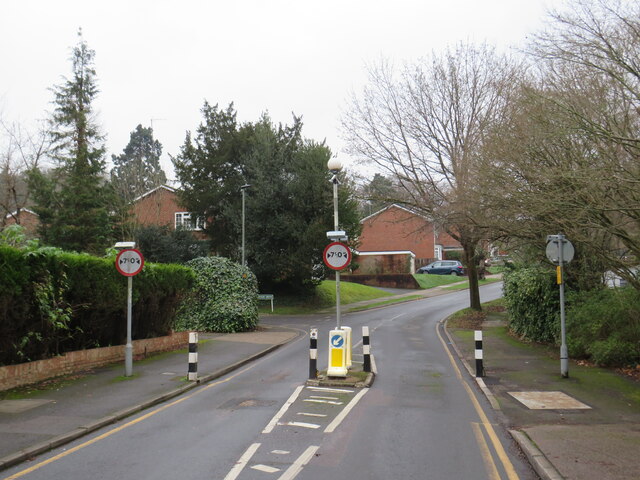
[
  {"x": 323, "y": 398},
  {"x": 265, "y": 468},
  {"x": 345, "y": 411},
  {"x": 313, "y": 400},
  {"x": 280, "y": 452},
  {"x": 242, "y": 462},
  {"x": 330, "y": 390},
  {"x": 300, "y": 424},
  {"x": 312, "y": 414},
  {"x": 282, "y": 411},
  {"x": 300, "y": 462}
]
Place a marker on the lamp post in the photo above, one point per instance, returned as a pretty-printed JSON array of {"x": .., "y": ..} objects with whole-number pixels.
[
  {"x": 243, "y": 188},
  {"x": 335, "y": 166}
]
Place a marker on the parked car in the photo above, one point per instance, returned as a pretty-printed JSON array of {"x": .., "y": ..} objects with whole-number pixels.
[{"x": 443, "y": 267}]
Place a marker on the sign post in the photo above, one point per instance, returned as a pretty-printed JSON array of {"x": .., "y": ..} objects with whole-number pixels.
[
  {"x": 337, "y": 256},
  {"x": 129, "y": 263},
  {"x": 560, "y": 251}
]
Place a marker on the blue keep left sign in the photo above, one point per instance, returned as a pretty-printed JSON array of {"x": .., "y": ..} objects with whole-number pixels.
[{"x": 337, "y": 341}]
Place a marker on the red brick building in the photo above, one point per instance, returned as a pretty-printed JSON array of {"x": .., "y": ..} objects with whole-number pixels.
[
  {"x": 26, "y": 218},
  {"x": 398, "y": 240},
  {"x": 161, "y": 206}
]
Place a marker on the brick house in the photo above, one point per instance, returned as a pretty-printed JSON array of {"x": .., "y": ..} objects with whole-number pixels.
[
  {"x": 398, "y": 240},
  {"x": 161, "y": 206},
  {"x": 26, "y": 218}
]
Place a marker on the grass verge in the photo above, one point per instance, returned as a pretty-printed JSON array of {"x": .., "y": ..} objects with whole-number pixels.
[{"x": 324, "y": 296}]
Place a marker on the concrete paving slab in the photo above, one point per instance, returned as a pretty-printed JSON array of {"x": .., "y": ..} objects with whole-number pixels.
[
  {"x": 548, "y": 401},
  {"x": 20, "y": 406}
]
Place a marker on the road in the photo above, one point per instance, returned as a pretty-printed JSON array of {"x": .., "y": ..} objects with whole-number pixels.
[{"x": 422, "y": 419}]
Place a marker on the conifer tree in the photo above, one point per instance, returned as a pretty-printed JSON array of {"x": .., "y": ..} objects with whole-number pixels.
[{"x": 74, "y": 200}]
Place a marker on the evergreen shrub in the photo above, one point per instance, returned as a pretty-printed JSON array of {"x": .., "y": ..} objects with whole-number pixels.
[
  {"x": 603, "y": 326},
  {"x": 223, "y": 299},
  {"x": 533, "y": 302},
  {"x": 53, "y": 302}
]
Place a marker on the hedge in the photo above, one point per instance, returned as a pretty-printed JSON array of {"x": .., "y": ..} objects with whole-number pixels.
[
  {"x": 52, "y": 302},
  {"x": 533, "y": 302},
  {"x": 224, "y": 298},
  {"x": 603, "y": 326}
]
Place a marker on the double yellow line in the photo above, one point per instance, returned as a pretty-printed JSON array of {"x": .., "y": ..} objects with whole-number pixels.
[{"x": 489, "y": 462}]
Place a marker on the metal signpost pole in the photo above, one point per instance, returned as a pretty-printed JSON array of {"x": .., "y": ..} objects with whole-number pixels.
[
  {"x": 129, "y": 262},
  {"x": 335, "y": 227},
  {"x": 128, "y": 349},
  {"x": 243, "y": 189},
  {"x": 564, "y": 353},
  {"x": 559, "y": 252}
]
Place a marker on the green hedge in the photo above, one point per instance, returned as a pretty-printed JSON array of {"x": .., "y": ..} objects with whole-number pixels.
[
  {"x": 533, "y": 301},
  {"x": 603, "y": 326},
  {"x": 224, "y": 298},
  {"x": 52, "y": 302}
]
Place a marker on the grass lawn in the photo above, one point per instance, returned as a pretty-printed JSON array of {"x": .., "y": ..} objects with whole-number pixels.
[
  {"x": 464, "y": 285},
  {"x": 323, "y": 297},
  {"x": 426, "y": 280}
]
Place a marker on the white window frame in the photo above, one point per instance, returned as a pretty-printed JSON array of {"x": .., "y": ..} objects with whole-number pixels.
[{"x": 184, "y": 220}]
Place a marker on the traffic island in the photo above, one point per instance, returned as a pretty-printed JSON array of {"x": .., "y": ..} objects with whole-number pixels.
[{"x": 356, "y": 378}]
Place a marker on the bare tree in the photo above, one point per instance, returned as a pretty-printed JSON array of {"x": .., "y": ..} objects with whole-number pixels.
[
  {"x": 22, "y": 151},
  {"x": 425, "y": 127},
  {"x": 567, "y": 158}
]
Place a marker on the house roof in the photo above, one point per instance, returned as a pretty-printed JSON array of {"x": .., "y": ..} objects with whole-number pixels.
[
  {"x": 386, "y": 252},
  {"x": 13, "y": 214},
  {"x": 161, "y": 187},
  {"x": 408, "y": 210}
]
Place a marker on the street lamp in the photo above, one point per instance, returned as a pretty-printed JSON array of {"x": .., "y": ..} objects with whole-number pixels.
[
  {"x": 335, "y": 166},
  {"x": 243, "y": 188}
]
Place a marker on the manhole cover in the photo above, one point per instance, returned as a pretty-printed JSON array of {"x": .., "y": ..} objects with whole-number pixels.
[{"x": 548, "y": 401}]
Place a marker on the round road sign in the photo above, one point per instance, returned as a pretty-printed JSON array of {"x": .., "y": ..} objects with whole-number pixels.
[
  {"x": 337, "y": 256},
  {"x": 553, "y": 250},
  {"x": 129, "y": 262}
]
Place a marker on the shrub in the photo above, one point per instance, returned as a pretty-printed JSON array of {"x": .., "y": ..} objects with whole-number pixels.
[
  {"x": 604, "y": 326},
  {"x": 533, "y": 301},
  {"x": 224, "y": 298},
  {"x": 166, "y": 245}
]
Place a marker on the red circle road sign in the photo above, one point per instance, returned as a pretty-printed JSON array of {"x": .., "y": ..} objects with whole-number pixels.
[
  {"x": 337, "y": 256},
  {"x": 129, "y": 262}
]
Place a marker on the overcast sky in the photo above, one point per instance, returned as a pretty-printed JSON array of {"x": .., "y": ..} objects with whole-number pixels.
[{"x": 158, "y": 60}]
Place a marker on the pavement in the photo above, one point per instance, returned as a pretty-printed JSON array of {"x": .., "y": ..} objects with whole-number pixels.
[{"x": 589, "y": 430}]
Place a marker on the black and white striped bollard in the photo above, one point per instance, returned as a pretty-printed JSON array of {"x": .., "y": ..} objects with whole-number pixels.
[
  {"x": 313, "y": 354},
  {"x": 479, "y": 366},
  {"x": 366, "y": 349},
  {"x": 193, "y": 356}
]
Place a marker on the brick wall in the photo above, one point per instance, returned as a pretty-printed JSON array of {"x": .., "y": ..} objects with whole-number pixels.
[
  {"x": 391, "y": 263},
  {"x": 157, "y": 207},
  {"x": 12, "y": 376}
]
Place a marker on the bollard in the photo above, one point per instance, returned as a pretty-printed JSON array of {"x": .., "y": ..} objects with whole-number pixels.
[
  {"x": 193, "y": 356},
  {"x": 366, "y": 349},
  {"x": 337, "y": 354},
  {"x": 479, "y": 366},
  {"x": 313, "y": 354},
  {"x": 348, "y": 346}
]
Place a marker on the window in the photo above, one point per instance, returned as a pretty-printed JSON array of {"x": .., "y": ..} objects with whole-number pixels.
[{"x": 186, "y": 221}]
